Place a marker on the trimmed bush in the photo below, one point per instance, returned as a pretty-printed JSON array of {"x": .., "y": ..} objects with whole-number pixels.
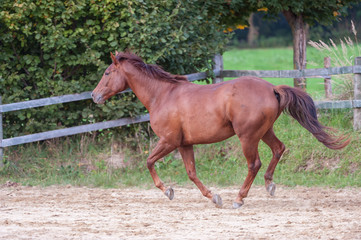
[{"x": 52, "y": 47}]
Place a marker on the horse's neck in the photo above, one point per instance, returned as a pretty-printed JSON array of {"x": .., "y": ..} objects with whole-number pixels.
[{"x": 147, "y": 90}]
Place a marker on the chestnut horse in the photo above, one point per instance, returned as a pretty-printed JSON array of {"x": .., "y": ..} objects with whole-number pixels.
[{"x": 183, "y": 114}]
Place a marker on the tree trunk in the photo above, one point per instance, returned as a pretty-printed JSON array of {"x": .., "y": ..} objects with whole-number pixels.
[
  {"x": 299, "y": 31},
  {"x": 252, "y": 32}
]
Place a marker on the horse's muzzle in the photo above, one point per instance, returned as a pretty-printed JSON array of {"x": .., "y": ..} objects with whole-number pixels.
[{"x": 97, "y": 98}]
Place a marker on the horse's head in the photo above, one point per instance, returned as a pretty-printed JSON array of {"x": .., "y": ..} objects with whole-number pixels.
[{"x": 112, "y": 82}]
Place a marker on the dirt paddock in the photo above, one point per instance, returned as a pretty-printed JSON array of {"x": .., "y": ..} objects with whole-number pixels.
[{"x": 65, "y": 212}]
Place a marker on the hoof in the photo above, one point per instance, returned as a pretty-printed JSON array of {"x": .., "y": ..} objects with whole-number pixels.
[
  {"x": 237, "y": 205},
  {"x": 271, "y": 188},
  {"x": 216, "y": 199},
  {"x": 169, "y": 193}
]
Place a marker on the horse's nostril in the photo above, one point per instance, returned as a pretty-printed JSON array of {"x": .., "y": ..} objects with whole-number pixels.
[{"x": 92, "y": 95}]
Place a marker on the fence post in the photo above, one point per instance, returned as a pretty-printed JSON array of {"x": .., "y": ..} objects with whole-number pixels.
[
  {"x": 1, "y": 139},
  {"x": 218, "y": 67},
  {"x": 357, "y": 96},
  {"x": 328, "y": 86}
]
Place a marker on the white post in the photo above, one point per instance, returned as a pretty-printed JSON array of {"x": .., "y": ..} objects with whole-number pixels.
[
  {"x": 328, "y": 85},
  {"x": 357, "y": 96},
  {"x": 218, "y": 67},
  {"x": 1, "y": 139}
]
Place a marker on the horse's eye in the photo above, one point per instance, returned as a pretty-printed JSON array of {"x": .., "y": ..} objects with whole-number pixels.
[{"x": 106, "y": 73}]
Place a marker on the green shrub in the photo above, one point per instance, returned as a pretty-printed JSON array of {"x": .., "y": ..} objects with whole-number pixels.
[{"x": 52, "y": 47}]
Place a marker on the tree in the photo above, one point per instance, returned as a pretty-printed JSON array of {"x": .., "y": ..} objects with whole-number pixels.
[
  {"x": 299, "y": 14},
  {"x": 252, "y": 32}
]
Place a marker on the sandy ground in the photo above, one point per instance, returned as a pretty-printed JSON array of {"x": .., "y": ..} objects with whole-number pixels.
[{"x": 65, "y": 212}]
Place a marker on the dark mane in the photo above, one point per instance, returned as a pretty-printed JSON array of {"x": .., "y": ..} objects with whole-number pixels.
[{"x": 150, "y": 70}]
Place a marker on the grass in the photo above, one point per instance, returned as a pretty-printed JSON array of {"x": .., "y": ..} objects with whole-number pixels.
[
  {"x": 276, "y": 59},
  {"x": 89, "y": 160}
]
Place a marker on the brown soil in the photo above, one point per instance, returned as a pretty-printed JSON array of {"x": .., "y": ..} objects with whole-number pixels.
[{"x": 65, "y": 212}]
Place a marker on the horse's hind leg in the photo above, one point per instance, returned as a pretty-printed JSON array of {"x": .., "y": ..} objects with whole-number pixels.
[
  {"x": 162, "y": 149},
  {"x": 277, "y": 148},
  {"x": 189, "y": 163},
  {"x": 250, "y": 151}
]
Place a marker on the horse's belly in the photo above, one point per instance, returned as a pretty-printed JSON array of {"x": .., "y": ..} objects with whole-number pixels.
[{"x": 206, "y": 133}]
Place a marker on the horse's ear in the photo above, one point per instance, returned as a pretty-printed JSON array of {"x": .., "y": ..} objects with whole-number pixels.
[
  {"x": 116, "y": 52},
  {"x": 115, "y": 61}
]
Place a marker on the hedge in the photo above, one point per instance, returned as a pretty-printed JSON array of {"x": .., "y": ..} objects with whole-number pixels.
[{"x": 52, "y": 47}]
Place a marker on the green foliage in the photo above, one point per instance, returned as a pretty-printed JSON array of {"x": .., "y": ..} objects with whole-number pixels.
[
  {"x": 320, "y": 11},
  {"x": 54, "y": 47},
  {"x": 234, "y": 12}
]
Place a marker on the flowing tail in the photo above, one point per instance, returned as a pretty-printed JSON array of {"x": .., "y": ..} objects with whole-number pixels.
[{"x": 301, "y": 107}]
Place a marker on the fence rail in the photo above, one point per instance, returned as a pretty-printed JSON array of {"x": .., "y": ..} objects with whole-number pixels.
[
  {"x": 338, "y": 104},
  {"x": 307, "y": 73},
  {"x": 219, "y": 74},
  {"x": 72, "y": 130}
]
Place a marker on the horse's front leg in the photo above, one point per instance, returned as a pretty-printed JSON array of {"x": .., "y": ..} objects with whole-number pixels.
[
  {"x": 189, "y": 163},
  {"x": 162, "y": 149}
]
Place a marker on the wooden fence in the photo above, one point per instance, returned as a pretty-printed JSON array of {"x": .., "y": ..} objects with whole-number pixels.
[{"x": 219, "y": 75}]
